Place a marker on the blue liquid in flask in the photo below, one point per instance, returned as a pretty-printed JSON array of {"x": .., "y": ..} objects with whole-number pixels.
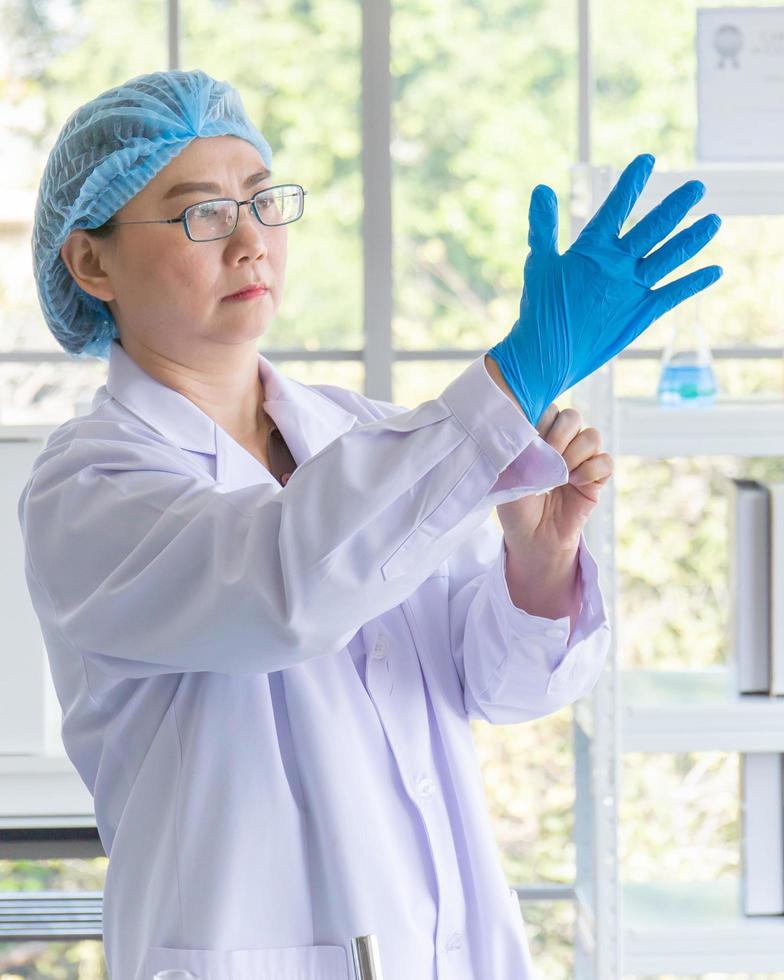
[
  {"x": 687, "y": 377},
  {"x": 687, "y": 384}
]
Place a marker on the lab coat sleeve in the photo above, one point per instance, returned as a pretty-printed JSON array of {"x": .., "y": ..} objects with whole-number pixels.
[
  {"x": 144, "y": 565},
  {"x": 515, "y": 666}
]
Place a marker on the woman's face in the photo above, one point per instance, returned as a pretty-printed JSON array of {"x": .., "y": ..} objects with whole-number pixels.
[{"x": 169, "y": 291}]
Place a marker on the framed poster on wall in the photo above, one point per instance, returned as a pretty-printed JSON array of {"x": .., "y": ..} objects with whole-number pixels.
[{"x": 740, "y": 84}]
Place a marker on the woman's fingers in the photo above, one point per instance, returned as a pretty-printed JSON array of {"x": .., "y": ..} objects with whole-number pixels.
[
  {"x": 543, "y": 221},
  {"x": 660, "y": 221},
  {"x": 546, "y": 419},
  {"x": 580, "y": 448},
  {"x": 678, "y": 250},
  {"x": 619, "y": 203},
  {"x": 664, "y": 298},
  {"x": 598, "y": 468}
]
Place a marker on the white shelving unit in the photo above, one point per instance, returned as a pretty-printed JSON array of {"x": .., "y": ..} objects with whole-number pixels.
[
  {"x": 625, "y": 929},
  {"x": 696, "y": 711},
  {"x": 695, "y": 927}
]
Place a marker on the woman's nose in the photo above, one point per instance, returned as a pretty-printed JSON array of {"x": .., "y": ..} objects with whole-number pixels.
[{"x": 249, "y": 224}]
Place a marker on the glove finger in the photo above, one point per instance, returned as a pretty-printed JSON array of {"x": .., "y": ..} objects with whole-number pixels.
[
  {"x": 678, "y": 250},
  {"x": 543, "y": 221},
  {"x": 618, "y": 205},
  {"x": 659, "y": 222},
  {"x": 666, "y": 297}
]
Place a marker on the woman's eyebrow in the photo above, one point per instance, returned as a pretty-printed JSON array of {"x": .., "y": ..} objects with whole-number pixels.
[{"x": 211, "y": 188}]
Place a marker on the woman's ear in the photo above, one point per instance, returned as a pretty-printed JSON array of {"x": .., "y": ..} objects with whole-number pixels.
[{"x": 82, "y": 254}]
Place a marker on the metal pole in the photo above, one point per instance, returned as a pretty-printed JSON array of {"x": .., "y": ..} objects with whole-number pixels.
[
  {"x": 585, "y": 80},
  {"x": 173, "y": 21},
  {"x": 377, "y": 198}
]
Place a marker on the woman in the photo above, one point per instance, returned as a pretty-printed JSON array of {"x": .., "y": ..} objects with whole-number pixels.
[{"x": 268, "y": 651}]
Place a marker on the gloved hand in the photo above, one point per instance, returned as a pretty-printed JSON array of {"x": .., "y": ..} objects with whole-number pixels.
[{"x": 579, "y": 309}]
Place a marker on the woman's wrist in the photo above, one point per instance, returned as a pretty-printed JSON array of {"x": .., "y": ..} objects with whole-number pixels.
[{"x": 492, "y": 368}]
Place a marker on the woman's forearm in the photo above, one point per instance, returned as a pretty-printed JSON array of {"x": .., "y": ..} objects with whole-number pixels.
[{"x": 543, "y": 584}]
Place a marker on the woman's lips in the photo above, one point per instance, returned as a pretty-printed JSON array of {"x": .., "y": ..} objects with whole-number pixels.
[{"x": 250, "y": 293}]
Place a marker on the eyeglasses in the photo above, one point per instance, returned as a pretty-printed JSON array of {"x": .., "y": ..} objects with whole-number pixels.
[{"x": 210, "y": 220}]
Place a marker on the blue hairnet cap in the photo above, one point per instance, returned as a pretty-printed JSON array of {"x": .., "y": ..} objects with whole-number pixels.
[{"x": 107, "y": 150}]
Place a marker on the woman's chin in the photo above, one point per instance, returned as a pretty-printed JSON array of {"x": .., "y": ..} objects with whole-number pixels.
[{"x": 237, "y": 330}]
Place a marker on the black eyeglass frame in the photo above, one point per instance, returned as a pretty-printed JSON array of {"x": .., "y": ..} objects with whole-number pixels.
[{"x": 183, "y": 218}]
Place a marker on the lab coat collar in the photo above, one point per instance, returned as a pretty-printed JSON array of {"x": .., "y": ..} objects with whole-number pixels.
[{"x": 307, "y": 419}]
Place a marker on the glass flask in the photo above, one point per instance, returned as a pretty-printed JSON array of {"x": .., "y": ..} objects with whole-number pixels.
[{"x": 687, "y": 376}]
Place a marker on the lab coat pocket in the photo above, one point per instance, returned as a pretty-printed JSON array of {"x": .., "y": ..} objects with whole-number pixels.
[{"x": 278, "y": 963}]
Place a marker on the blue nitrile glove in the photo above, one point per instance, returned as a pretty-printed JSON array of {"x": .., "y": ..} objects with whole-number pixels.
[{"x": 579, "y": 309}]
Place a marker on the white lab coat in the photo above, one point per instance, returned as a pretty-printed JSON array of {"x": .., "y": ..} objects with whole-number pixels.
[{"x": 261, "y": 798}]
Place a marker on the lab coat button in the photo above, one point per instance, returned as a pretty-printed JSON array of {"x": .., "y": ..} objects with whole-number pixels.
[
  {"x": 554, "y": 631},
  {"x": 380, "y": 648},
  {"x": 425, "y": 787},
  {"x": 455, "y": 941}
]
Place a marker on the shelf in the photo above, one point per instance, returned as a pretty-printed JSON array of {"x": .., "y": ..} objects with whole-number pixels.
[
  {"x": 694, "y": 928},
  {"x": 25, "y": 433},
  {"x": 42, "y": 765},
  {"x": 752, "y": 426},
  {"x": 50, "y": 821},
  {"x": 730, "y": 189},
  {"x": 696, "y": 710},
  {"x": 43, "y": 791},
  {"x": 748, "y": 189}
]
